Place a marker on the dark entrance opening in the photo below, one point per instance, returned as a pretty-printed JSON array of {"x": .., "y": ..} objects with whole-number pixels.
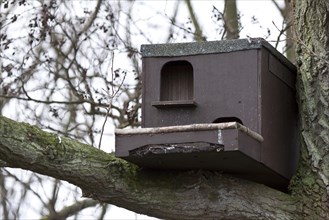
[
  {"x": 227, "y": 119},
  {"x": 176, "y": 81}
]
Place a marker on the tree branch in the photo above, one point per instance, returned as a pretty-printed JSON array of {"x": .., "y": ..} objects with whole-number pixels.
[
  {"x": 72, "y": 209},
  {"x": 198, "y": 36},
  {"x": 81, "y": 101},
  {"x": 281, "y": 10},
  {"x": 163, "y": 194},
  {"x": 231, "y": 18}
]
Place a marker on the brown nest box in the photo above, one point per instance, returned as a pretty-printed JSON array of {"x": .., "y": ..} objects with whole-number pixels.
[{"x": 221, "y": 105}]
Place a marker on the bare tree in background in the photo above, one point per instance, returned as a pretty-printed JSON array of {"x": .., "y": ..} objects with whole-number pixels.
[
  {"x": 58, "y": 69},
  {"x": 227, "y": 21},
  {"x": 287, "y": 28}
]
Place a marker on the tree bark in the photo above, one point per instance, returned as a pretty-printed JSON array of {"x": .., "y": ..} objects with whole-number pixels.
[
  {"x": 163, "y": 194},
  {"x": 312, "y": 46}
]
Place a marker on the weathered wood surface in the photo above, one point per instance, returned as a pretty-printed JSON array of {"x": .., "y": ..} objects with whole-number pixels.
[{"x": 192, "y": 127}]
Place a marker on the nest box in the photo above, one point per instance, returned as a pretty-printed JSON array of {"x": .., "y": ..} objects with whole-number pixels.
[{"x": 221, "y": 105}]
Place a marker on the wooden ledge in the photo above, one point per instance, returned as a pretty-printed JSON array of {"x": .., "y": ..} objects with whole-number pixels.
[
  {"x": 176, "y": 103},
  {"x": 192, "y": 127}
]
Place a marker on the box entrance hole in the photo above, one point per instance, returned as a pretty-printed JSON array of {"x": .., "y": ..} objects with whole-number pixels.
[
  {"x": 176, "y": 81},
  {"x": 227, "y": 119}
]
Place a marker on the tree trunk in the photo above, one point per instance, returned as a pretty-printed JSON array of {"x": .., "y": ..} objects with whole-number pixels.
[
  {"x": 312, "y": 46},
  {"x": 231, "y": 20}
]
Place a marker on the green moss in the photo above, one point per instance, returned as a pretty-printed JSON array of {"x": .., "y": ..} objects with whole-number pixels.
[
  {"x": 35, "y": 134},
  {"x": 213, "y": 196}
]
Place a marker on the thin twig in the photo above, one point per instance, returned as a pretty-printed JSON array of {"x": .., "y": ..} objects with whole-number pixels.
[{"x": 114, "y": 93}]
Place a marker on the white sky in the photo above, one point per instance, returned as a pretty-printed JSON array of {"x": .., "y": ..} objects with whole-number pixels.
[{"x": 263, "y": 10}]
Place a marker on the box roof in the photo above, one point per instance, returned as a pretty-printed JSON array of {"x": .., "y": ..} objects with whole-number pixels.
[{"x": 211, "y": 47}]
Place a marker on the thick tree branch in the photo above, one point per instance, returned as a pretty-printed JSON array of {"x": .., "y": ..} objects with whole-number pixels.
[{"x": 164, "y": 194}]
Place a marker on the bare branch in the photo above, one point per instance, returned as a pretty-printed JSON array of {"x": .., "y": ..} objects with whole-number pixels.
[
  {"x": 282, "y": 11},
  {"x": 3, "y": 196},
  {"x": 198, "y": 31},
  {"x": 72, "y": 209}
]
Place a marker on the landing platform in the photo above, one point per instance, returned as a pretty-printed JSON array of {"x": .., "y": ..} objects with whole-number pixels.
[{"x": 228, "y": 147}]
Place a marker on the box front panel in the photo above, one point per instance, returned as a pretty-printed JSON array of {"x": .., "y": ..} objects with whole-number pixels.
[{"x": 224, "y": 89}]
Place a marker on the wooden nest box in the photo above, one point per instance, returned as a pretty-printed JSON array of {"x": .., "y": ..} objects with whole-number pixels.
[{"x": 221, "y": 105}]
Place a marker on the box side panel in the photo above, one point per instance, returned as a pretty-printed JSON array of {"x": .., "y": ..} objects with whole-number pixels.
[
  {"x": 238, "y": 140},
  {"x": 279, "y": 116},
  {"x": 144, "y": 89}
]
